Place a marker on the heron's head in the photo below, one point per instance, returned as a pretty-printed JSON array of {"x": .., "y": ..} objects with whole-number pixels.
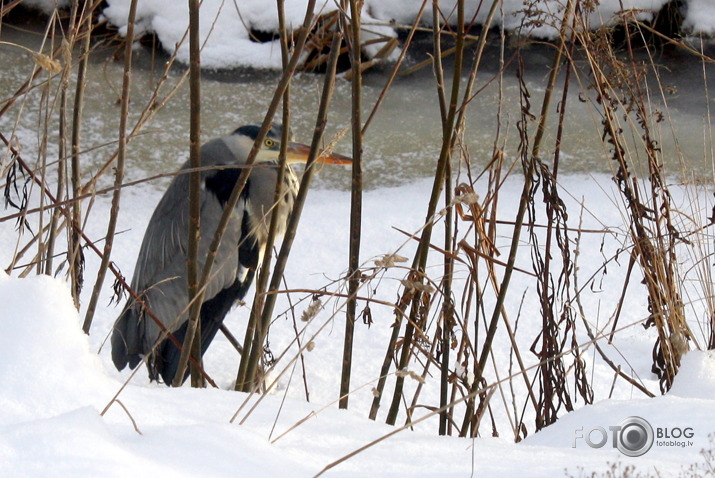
[{"x": 271, "y": 147}]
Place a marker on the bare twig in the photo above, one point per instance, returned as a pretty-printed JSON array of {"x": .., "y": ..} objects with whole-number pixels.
[
  {"x": 355, "y": 199},
  {"x": 119, "y": 171}
]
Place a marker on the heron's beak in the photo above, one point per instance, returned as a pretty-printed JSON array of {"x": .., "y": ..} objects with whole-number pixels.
[{"x": 298, "y": 153}]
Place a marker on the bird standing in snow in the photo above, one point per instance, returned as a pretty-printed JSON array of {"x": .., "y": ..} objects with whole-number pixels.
[{"x": 160, "y": 273}]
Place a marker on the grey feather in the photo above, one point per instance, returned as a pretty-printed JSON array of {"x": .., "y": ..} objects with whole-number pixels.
[{"x": 160, "y": 273}]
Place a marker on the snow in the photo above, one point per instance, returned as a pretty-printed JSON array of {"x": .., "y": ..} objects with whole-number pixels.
[
  {"x": 700, "y": 16},
  {"x": 56, "y": 380},
  {"x": 226, "y": 25},
  {"x": 225, "y": 28},
  {"x": 58, "y": 376},
  {"x": 697, "y": 369}
]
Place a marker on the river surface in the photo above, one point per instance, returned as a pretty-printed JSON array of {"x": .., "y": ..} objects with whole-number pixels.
[{"x": 403, "y": 141}]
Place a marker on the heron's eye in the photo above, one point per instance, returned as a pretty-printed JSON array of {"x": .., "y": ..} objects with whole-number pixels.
[{"x": 269, "y": 143}]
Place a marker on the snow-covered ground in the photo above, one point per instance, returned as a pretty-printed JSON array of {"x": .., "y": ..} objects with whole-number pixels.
[
  {"x": 226, "y": 25},
  {"x": 55, "y": 383}
]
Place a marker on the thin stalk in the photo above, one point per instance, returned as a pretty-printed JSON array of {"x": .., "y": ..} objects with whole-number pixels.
[
  {"x": 546, "y": 103},
  {"x": 61, "y": 159},
  {"x": 42, "y": 130},
  {"x": 447, "y": 306},
  {"x": 119, "y": 170},
  {"x": 243, "y": 178},
  {"x": 355, "y": 204},
  {"x": 439, "y": 77},
  {"x": 253, "y": 332},
  {"x": 444, "y": 366},
  {"x": 420, "y": 259},
  {"x": 74, "y": 251},
  {"x": 282, "y": 259},
  {"x": 546, "y": 411},
  {"x": 396, "y": 68},
  {"x": 7, "y": 7},
  {"x": 243, "y": 369},
  {"x": 519, "y": 220},
  {"x": 46, "y": 107},
  {"x": 192, "y": 341},
  {"x": 241, "y": 382}
]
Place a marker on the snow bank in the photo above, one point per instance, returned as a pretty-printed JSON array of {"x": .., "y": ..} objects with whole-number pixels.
[
  {"x": 511, "y": 12},
  {"x": 700, "y": 16},
  {"x": 696, "y": 377},
  {"x": 226, "y": 26},
  {"x": 47, "y": 368},
  {"x": 53, "y": 386}
]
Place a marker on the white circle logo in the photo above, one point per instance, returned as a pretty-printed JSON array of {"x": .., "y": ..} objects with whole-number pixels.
[{"x": 635, "y": 437}]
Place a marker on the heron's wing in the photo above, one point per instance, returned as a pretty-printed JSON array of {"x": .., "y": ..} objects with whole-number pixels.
[
  {"x": 157, "y": 278},
  {"x": 160, "y": 274}
]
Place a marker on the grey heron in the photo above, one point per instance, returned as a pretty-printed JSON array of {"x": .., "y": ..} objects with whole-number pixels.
[{"x": 160, "y": 273}]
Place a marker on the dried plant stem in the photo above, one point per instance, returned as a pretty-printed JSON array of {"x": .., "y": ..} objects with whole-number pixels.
[
  {"x": 131, "y": 418},
  {"x": 447, "y": 318},
  {"x": 420, "y": 259},
  {"x": 396, "y": 68},
  {"x": 7, "y": 7},
  {"x": 355, "y": 202},
  {"x": 254, "y": 330},
  {"x": 453, "y": 123},
  {"x": 291, "y": 229},
  {"x": 529, "y": 169},
  {"x": 75, "y": 258},
  {"x": 444, "y": 54},
  {"x": 385, "y": 368},
  {"x": 243, "y": 372},
  {"x": 46, "y": 106},
  {"x": 119, "y": 171},
  {"x": 61, "y": 170},
  {"x": 392, "y": 344},
  {"x": 651, "y": 229},
  {"x": 192, "y": 340},
  {"x": 551, "y": 375},
  {"x": 604, "y": 356}
]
